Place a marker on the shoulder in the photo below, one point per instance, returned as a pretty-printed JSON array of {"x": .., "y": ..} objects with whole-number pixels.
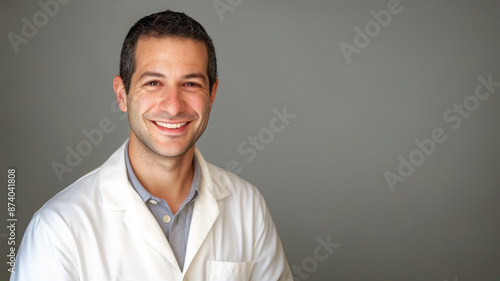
[
  {"x": 232, "y": 182},
  {"x": 84, "y": 197},
  {"x": 242, "y": 196},
  {"x": 76, "y": 196}
]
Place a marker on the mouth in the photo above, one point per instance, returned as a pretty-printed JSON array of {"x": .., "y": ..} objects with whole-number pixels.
[{"x": 170, "y": 125}]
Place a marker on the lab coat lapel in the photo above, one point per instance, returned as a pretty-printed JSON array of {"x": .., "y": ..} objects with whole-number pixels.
[
  {"x": 119, "y": 195},
  {"x": 140, "y": 220},
  {"x": 205, "y": 212}
]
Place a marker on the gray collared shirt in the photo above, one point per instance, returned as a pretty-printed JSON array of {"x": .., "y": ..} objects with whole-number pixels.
[{"x": 176, "y": 227}]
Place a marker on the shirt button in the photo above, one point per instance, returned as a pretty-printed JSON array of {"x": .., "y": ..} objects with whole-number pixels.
[
  {"x": 153, "y": 202},
  {"x": 167, "y": 219}
]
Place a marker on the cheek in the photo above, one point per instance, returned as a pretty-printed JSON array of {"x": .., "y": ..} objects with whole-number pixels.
[
  {"x": 200, "y": 105},
  {"x": 140, "y": 104}
]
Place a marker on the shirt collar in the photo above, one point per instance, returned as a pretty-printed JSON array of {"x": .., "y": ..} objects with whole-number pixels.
[{"x": 146, "y": 195}]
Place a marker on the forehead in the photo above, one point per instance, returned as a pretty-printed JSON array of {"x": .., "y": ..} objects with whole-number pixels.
[{"x": 171, "y": 52}]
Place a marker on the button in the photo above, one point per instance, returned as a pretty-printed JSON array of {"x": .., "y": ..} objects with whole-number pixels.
[
  {"x": 153, "y": 202},
  {"x": 167, "y": 219}
]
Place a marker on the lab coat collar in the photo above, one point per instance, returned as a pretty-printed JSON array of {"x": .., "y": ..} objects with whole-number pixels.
[
  {"x": 209, "y": 181},
  {"x": 113, "y": 181}
]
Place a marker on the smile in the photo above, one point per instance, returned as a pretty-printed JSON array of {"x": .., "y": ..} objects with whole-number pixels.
[{"x": 170, "y": 126}]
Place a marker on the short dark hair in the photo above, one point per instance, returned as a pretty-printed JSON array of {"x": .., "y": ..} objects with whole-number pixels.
[{"x": 165, "y": 24}]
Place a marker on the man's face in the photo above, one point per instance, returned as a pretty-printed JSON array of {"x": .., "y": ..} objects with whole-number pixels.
[{"x": 169, "y": 99}]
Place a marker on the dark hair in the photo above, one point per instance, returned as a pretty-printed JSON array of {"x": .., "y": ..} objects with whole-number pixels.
[{"x": 165, "y": 24}]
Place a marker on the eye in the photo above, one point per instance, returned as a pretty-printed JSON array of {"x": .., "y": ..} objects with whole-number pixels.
[
  {"x": 153, "y": 83},
  {"x": 192, "y": 84}
]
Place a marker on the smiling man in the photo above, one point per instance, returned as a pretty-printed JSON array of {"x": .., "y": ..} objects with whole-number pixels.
[{"x": 156, "y": 210}]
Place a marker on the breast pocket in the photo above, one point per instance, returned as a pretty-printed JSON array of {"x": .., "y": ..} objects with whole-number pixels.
[{"x": 229, "y": 271}]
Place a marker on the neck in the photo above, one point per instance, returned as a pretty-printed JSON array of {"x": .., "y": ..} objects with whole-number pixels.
[{"x": 168, "y": 178}]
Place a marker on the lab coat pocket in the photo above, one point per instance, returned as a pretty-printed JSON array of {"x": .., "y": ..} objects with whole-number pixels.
[{"x": 229, "y": 271}]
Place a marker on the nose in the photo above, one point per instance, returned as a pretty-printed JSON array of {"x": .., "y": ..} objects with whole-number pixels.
[{"x": 172, "y": 101}]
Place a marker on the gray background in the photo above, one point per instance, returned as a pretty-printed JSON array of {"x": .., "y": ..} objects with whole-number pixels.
[{"x": 323, "y": 175}]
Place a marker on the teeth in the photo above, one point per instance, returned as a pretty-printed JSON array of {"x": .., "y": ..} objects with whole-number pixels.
[{"x": 170, "y": 126}]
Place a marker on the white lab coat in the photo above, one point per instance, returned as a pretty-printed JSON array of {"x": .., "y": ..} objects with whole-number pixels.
[{"x": 99, "y": 229}]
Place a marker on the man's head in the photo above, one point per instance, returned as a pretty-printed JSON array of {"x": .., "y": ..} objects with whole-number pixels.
[
  {"x": 167, "y": 85},
  {"x": 164, "y": 24}
]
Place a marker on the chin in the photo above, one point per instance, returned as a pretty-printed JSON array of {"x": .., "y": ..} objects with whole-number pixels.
[{"x": 172, "y": 152}]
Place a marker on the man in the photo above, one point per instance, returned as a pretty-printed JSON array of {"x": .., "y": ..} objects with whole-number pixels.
[{"x": 156, "y": 210}]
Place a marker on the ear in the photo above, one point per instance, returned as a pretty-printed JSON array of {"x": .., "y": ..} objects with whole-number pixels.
[
  {"x": 121, "y": 94},
  {"x": 214, "y": 92}
]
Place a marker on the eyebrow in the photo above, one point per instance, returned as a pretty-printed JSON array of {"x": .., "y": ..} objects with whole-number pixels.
[
  {"x": 160, "y": 75},
  {"x": 196, "y": 75},
  {"x": 149, "y": 73}
]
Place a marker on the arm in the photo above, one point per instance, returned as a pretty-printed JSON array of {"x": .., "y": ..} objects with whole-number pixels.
[
  {"x": 270, "y": 259},
  {"x": 42, "y": 255}
]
